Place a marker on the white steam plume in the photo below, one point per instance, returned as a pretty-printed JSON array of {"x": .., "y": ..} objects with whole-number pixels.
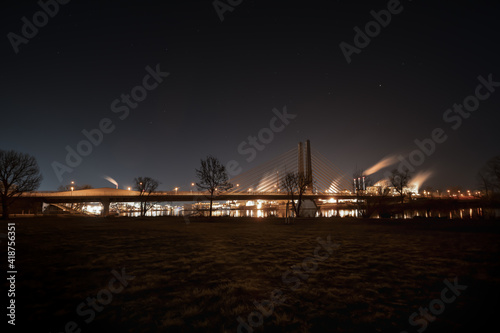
[
  {"x": 111, "y": 180},
  {"x": 383, "y": 163}
]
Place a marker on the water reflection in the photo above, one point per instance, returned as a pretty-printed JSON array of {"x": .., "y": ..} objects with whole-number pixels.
[
  {"x": 168, "y": 212},
  {"x": 465, "y": 213}
]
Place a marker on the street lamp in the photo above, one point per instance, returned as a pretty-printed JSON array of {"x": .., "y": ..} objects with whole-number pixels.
[{"x": 176, "y": 190}]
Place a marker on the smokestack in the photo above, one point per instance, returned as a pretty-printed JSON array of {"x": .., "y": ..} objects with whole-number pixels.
[{"x": 364, "y": 188}]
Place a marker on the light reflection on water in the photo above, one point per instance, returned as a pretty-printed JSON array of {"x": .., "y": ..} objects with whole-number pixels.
[{"x": 466, "y": 213}]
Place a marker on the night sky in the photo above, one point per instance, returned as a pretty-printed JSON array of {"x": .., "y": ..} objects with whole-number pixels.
[{"x": 226, "y": 77}]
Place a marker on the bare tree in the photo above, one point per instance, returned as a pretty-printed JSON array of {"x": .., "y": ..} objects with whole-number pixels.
[
  {"x": 489, "y": 177},
  {"x": 19, "y": 173},
  {"x": 213, "y": 178},
  {"x": 145, "y": 186},
  {"x": 400, "y": 180},
  {"x": 295, "y": 185}
]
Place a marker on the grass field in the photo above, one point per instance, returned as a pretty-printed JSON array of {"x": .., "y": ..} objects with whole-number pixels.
[{"x": 203, "y": 275}]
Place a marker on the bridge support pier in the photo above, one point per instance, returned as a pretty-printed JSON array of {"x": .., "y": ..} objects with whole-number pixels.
[{"x": 105, "y": 207}]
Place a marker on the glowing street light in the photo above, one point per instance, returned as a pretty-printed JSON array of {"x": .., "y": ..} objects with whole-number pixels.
[
  {"x": 129, "y": 188},
  {"x": 176, "y": 190}
]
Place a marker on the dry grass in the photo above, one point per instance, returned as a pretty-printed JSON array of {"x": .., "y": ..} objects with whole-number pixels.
[{"x": 201, "y": 276}]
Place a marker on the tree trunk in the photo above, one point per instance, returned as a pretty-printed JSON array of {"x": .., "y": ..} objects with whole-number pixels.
[
  {"x": 211, "y": 200},
  {"x": 5, "y": 213},
  {"x": 299, "y": 203},
  {"x": 293, "y": 204},
  {"x": 402, "y": 206}
]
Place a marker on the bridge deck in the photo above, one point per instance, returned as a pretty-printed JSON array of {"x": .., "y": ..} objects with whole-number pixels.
[{"x": 116, "y": 195}]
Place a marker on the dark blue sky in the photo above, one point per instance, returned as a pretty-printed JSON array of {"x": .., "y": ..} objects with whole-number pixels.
[{"x": 226, "y": 77}]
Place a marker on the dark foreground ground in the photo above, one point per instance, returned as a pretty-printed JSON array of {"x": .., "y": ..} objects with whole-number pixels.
[{"x": 202, "y": 276}]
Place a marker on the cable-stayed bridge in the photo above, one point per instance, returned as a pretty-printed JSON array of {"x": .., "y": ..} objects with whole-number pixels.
[
  {"x": 262, "y": 182},
  {"x": 323, "y": 175}
]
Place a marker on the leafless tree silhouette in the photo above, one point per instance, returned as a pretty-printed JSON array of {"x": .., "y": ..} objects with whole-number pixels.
[
  {"x": 400, "y": 180},
  {"x": 145, "y": 186},
  {"x": 213, "y": 178},
  {"x": 489, "y": 177},
  {"x": 19, "y": 173},
  {"x": 295, "y": 185}
]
